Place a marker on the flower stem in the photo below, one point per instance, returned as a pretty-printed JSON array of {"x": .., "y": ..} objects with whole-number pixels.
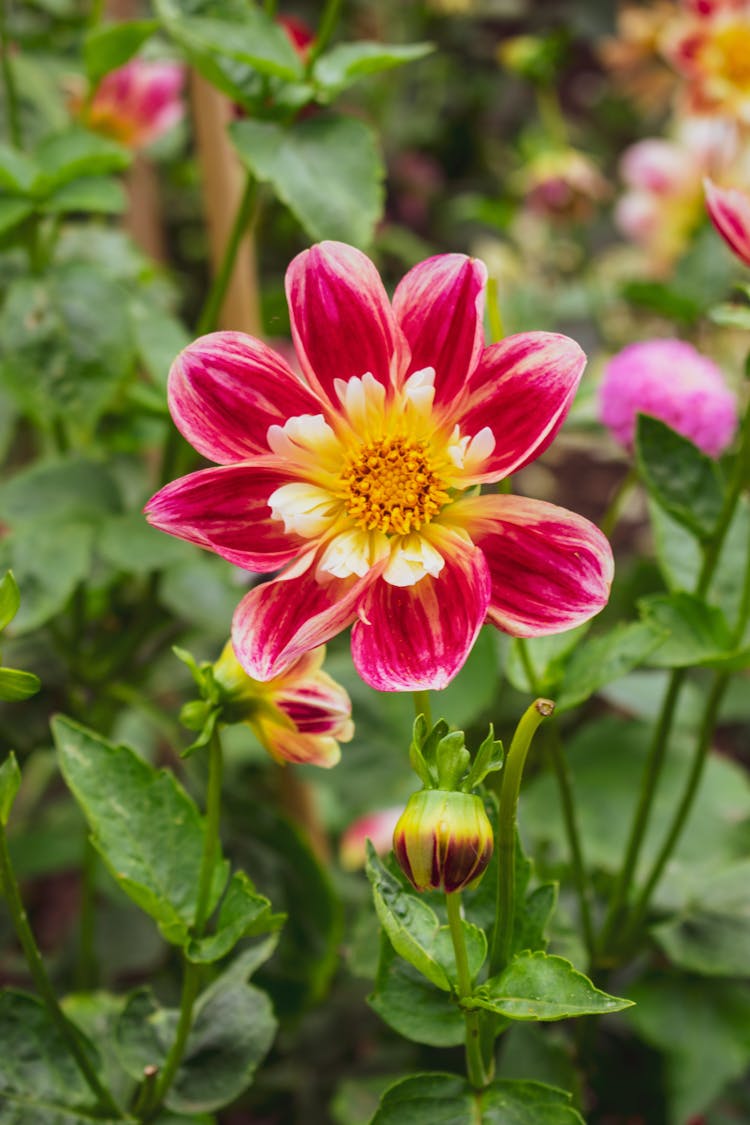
[
  {"x": 328, "y": 22},
  {"x": 502, "y": 938},
  {"x": 243, "y": 219},
  {"x": 611, "y": 517},
  {"x": 191, "y": 971},
  {"x": 494, "y": 316},
  {"x": 43, "y": 984},
  {"x": 475, "y": 1068},
  {"x": 9, "y": 82},
  {"x": 87, "y": 968},
  {"x": 422, "y": 706}
]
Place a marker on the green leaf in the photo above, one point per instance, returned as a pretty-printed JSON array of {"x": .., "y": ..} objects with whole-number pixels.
[
  {"x": 96, "y": 1015},
  {"x": 547, "y": 657},
  {"x": 326, "y": 169},
  {"x": 111, "y": 45},
  {"x": 17, "y": 171},
  {"x": 76, "y": 154},
  {"x": 242, "y": 33},
  {"x": 39, "y": 1078},
  {"x": 232, "y": 1031},
  {"x": 411, "y": 1005},
  {"x": 13, "y": 212},
  {"x": 243, "y": 913},
  {"x": 74, "y": 487},
  {"x": 530, "y": 922},
  {"x": 703, "y": 1029},
  {"x": 16, "y": 685},
  {"x": 600, "y": 660},
  {"x": 711, "y": 936},
  {"x": 410, "y": 924},
  {"x": 346, "y": 63},
  {"x": 50, "y": 558},
  {"x": 681, "y": 479},
  {"x": 159, "y": 338},
  {"x": 10, "y": 783},
  {"x": 540, "y": 986},
  {"x": 147, "y": 829},
  {"x": 93, "y": 194},
  {"x": 696, "y": 633},
  {"x": 10, "y": 599},
  {"x": 445, "y": 1099},
  {"x": 131, "y": 544}
]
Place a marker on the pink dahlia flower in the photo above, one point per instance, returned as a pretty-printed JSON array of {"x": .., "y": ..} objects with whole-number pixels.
[
  {"x": 300, "y": 715},
  {"x": 729, "y": 211},
  {"x": 670, "y": 380},
  {"x": 138, "y": 102},
  {"x": 360, "y": 479}
]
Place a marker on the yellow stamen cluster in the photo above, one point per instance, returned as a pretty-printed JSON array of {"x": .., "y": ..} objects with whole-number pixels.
[
  {"x": 733, "y": 45},
  {"x": 389, "y": 486}
]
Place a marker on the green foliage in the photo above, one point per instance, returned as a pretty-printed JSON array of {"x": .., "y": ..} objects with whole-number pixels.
[
  {"x": 146, "y": 828},
  {"x": 538, "y": 986},
  {"x": 681, "y": 479},
  {"x": 243, "y": 913},
  {"x": 10, "y": 782},
  {"x": 111, "y": 45},
  {"x": 410, "y": 1004},
  {"x": 347, "y": 63},
  {"x": 444, "y": 1099},
  {"x": 298, "y": 162}
]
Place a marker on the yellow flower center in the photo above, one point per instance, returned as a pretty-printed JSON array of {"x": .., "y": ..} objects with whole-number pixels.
[
  {"x": 733, "y": 45},
  {"x": 390, "y": 486}
]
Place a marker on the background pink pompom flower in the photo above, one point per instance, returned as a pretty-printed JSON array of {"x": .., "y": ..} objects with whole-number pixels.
[
  {"x": 729, "y": 211},
  {"x": 670, "y": 380},
  {"x": 360, "y": 478},
  {"x": 137, "y": 103},
  {"x": 299, "y": 716}
]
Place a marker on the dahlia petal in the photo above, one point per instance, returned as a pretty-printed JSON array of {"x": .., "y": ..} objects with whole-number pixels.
[
  {"x": 522, "y": 389},
  {"x": 729, "y": 211},
  {"x": 306, "y": 509},
  {"x": 278, "y": 621},
  {"x": 342, "y": 322},
  {"x": 550, "y": 568},
  {"x": 226, "y": 510},
  {"x": 290, "y": 745},
  {"x": 226, "y": 389},
  {"x": 414, "y": 638},
  {"x": 440, "y": 305}
]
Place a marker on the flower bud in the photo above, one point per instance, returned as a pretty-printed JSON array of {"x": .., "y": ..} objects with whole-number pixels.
[{"x": 443, "y": 841}]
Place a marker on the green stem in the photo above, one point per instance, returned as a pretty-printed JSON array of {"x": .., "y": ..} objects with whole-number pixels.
[
  {"x": 9, "y": 82},
  {"x": 611, "y": 517},
  {"x": 474, "y": 1061},
  {"x": 191, "y": 971},
  {"x": 328, "y": 22},
  {"x": 551, "y": 115},
  {"x": 209, "y": 317},
  {"x": 422, "y": 706},
  {"x": 502, "y": 938},
  {"x": 87, "y": 969},
  {"x": 42, "y": 982},
  {"x": 562, "y": 775},
  {"x": 494, "y": 316}
]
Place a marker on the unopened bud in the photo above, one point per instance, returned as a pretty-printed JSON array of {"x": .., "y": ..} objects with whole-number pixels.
[{"x": 443, "y": 841}]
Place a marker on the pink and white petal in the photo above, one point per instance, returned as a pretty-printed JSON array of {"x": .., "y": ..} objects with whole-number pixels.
[
  {"x": 522, "y": 389},
  {"x": 415, "y": 638},
  {"x": 440, "y": 306},
  {"x": 227, "y": 388},
  {"x": 278, "y": 621},
  {"x": 729, "y": 211},
  {"x": 550, "y": 568},
  {"x": 226, "y": 510},
  {"x": 288, "y": 745},
  {"x": 343, "y": 325},
  {"x": 318, "y": 706}
]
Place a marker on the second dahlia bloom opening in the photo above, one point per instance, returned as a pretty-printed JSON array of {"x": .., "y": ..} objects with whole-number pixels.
[{"x": 360, "y": 479}]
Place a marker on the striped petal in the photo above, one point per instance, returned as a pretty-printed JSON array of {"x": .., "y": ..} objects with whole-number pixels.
[
  {"x": 227, "y": 388},
  {"x": 729, "y": 211},
  {"x": 343, "y": 325},
  {"x": 440, "y": 305},
  {"x": 414, "y": 638},
  {"x": 289, "y": 745},
  {"x": 279, "y": 621},
  {"x": 522, "y": 390},
  {"x": 226, "y": 510},
  {"x": 550, "y": 568}
]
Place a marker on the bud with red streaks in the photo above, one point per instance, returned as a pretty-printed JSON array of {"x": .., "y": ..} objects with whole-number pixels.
[{"x": 443, "y": 841}]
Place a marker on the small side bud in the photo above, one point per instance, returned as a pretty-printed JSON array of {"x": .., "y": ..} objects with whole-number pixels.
[{"x": 443, "y": 841}]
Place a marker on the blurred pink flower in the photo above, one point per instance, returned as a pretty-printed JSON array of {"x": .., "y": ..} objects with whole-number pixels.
[
  {"x": 729, "y": 211},
  {"x": 298, "y": 716},
  {"x": 360, "y": 481},
  {"x": 669, "y": 380},
  {"x": 375, "y": 826},
  {"x": 709, "y": 47},
  {"x": 663, "y": 201},
  {"x": 563, "y": 184},
  {"x": 137, "y": 103}
]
